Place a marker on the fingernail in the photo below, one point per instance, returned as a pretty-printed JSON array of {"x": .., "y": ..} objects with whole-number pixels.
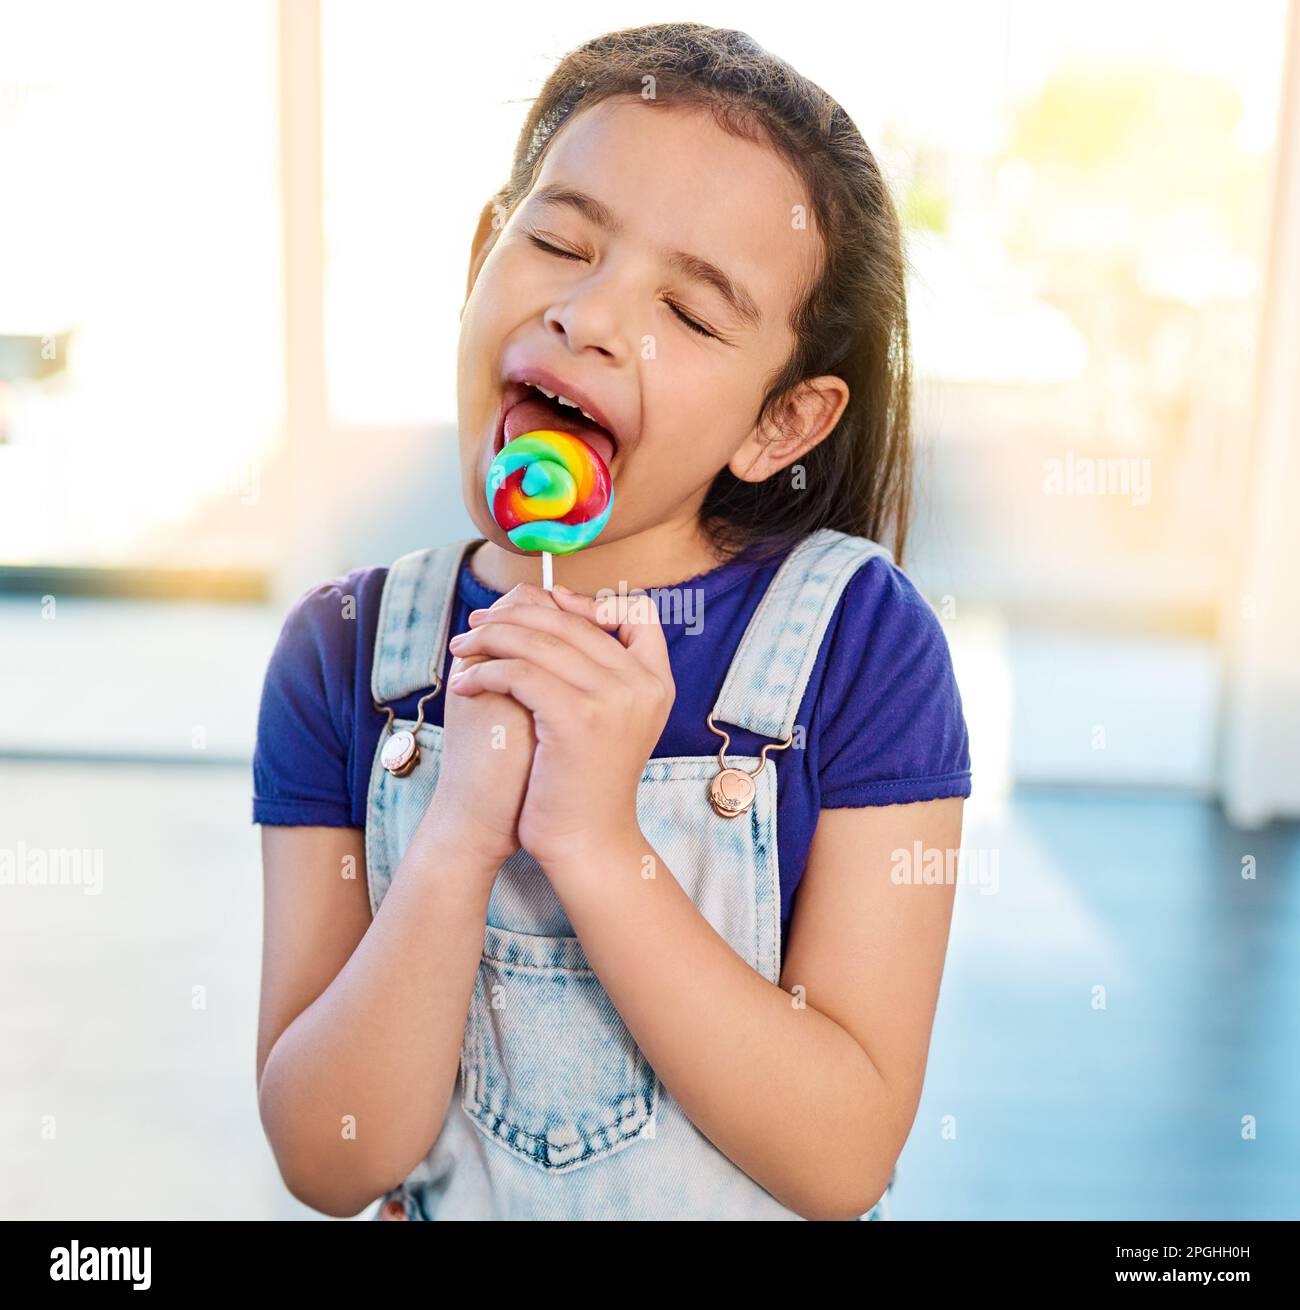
[
  {"x": 477, "y": 614},
  {"x": 457, "y": 640}
]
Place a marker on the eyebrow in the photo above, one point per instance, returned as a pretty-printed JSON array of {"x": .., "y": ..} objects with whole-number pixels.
[{"x": 694, "y": 267}]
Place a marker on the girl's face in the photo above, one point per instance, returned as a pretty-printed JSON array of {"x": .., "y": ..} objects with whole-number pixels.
[{"x": 682, "y": 251}]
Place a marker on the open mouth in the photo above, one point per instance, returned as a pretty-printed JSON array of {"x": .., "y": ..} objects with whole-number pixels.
[{"x": 526, "y": 407}]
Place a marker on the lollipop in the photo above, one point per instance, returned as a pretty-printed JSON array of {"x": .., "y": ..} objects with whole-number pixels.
[{"x": 550, "y": 491}]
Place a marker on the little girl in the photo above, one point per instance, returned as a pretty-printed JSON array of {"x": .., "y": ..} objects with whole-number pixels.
[{"x": 643, "y": 928}]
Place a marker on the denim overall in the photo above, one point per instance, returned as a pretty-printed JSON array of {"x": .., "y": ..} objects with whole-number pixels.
[{"x": 557, "y": 1114}]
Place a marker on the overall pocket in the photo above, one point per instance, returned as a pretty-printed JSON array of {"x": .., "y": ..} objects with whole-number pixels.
[{"x": 551, "y": 1072}]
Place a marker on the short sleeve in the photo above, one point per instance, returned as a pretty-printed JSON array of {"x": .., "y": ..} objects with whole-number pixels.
[
  {"x": 891, "y": 726},
  {"x": 304, "y": 724}
]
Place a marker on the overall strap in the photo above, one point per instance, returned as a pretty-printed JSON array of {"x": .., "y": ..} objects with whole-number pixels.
[
  {"x": 769, "y": 673},
  {"x": 415, "y": 620}
]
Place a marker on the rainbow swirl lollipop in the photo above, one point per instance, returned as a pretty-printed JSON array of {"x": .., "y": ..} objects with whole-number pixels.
[{"x": 550, "y": 491}]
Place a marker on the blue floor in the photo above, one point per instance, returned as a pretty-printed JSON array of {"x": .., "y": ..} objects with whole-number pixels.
[{"x": 1118, "y": 1031}]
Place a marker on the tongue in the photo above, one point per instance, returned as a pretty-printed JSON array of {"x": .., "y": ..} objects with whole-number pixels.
[{"x": 534, "y": 413}]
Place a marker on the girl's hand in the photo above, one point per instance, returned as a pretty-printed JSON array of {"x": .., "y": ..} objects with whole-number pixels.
[
  {"x": 599, "y": 703},
  {"x": 487, "y": 751}
]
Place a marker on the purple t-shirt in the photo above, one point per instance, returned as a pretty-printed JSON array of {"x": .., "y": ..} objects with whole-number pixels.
[{"x": 882, "y": 713}]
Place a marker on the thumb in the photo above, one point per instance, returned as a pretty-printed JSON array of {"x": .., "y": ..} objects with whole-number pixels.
[{"x": 603, "y": 613}]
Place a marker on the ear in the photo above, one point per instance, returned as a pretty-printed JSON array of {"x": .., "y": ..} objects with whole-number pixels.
[
  {"x": 490, "y": 222},
  {"x": 807, "y": 417}
]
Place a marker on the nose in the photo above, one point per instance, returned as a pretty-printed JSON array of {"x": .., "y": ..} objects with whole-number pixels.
[{"x": 587, "y": 320}]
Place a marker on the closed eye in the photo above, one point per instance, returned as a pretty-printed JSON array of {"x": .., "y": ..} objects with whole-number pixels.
[
  {"x": 691, "y": 323},
  {"x": 550, "y": 249}
]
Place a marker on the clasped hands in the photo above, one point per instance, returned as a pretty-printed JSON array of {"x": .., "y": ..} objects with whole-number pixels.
[{"x": 594, "y": 676}]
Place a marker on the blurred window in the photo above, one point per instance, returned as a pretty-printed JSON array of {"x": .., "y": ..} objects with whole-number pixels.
[{"x": 141, "y": 368}]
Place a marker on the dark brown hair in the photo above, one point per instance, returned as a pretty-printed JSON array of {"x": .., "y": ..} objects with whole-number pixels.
[{"x": 851, "y": 323}]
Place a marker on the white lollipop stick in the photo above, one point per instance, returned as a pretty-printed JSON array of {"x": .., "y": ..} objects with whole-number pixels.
[{"x": 547, "y": 580}]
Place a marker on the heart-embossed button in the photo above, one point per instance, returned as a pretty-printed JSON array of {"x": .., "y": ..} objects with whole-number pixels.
[{"x": 731, "y": 792}]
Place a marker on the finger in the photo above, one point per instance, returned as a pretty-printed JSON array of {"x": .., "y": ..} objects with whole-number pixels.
[
  {"x": 535, "y": 688},
  {"x": 461, "y": 662},
  {"x": 526, "y": 593},
  {"x": 601, "y": 647},
  {"x": 502, "y": 639},
  {"x": 636, "y": 616},
  {"x": 523, "y": 594}
]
